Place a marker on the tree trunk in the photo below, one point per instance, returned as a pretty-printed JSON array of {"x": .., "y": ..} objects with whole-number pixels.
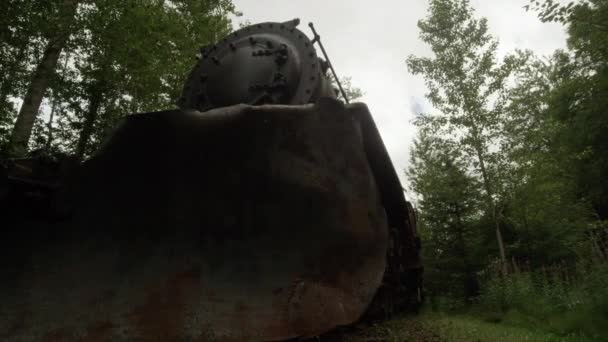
[
  {"x": 49, "y": 124},
  {"x": 89, "y": 121},
  {"x": 22, "y": 130},
  {"x": 490, "y": 193},
  {"x": 49, "y": 140},
  {"x": 4, "y": 92},
  {"x": 486, "y": 181}
]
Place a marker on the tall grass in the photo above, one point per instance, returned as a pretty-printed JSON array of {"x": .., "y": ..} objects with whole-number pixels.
[{"x": 565, "y": 299}]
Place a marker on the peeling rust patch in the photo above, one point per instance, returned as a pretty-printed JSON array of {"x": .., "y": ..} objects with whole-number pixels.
[
  {"x": 99, "y": 332},
  {"x": 19, "y": 324},
  {"x": 163, "y": 313},
  {"x": 59, "y": 335}
]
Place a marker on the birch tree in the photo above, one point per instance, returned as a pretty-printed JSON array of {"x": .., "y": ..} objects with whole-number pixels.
[{"x": 467, "y": 86}]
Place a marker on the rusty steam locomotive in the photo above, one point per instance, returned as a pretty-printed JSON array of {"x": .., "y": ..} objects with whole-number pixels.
[{"x": 262, "y": 209}]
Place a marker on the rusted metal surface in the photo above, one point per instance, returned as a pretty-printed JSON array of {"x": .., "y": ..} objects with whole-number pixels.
[
  {"x": 401, "y": 289},
  {"x": 240, "y": 224}
]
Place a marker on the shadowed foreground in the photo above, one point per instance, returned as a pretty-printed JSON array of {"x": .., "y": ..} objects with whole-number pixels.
[{"x": 431, "y": 327}]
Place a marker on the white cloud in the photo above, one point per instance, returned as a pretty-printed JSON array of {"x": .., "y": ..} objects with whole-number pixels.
[{"x": 370, "y": 41}]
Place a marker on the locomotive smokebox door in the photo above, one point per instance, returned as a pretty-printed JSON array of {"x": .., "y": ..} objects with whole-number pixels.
[{"x": 267, "y": 63}]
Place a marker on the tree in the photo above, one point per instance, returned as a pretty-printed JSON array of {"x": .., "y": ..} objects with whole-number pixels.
[
  {"x": 56, "y": 40},
  {"x": 467, "y": 85},
  {"x": 578, "y": 101},
  {"x": 118, "y": 57},
  {"x": 143, "y": 70},
  {"x": 124, "y": 57},
  {"x": 21, "y": 27},
  {"x": 448, "y": 207},
  {"x": 353, "y": 93}
]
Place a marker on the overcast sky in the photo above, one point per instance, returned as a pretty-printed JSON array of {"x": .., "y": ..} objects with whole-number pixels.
[{"x": 370, "y": 40}]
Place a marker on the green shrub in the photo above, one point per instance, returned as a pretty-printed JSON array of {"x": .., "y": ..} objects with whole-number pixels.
[{"x": 565, "y": 303}]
